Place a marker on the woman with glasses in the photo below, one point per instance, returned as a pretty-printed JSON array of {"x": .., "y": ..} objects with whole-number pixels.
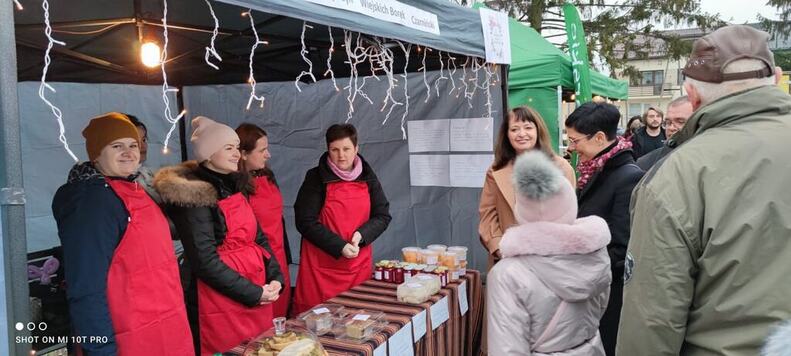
[
  {"x": 523, "y": 131},
  {"x": 607, "y": 176}
]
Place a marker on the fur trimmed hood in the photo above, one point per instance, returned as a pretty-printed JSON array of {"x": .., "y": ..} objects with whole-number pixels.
[
  {"x": 180, "y": 185},
  {"x": 571, "y": 260},
  {"x": 543, "y": 238},
  {"x": 779, "y": 341}
]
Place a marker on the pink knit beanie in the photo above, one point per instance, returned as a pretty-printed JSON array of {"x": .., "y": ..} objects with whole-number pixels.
[
  {"x": 209, "y": 136},
  {"x": 543, "y": 193}
]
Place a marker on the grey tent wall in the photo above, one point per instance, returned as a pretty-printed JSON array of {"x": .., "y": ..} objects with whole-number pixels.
[
  {"x": 44, "y": 161},
  {"x": 15, "y": 302},
  {"x": 296, "y": 123}
]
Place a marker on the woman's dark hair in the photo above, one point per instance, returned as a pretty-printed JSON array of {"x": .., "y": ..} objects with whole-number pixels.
[
  {"x": 591, "y": 118},
  {"x": 504, "y": 153},
  {"x": 135, "y": 121},
  {"x": 629, "y": 132},
  {"x": 339, "y": 132},
  {"x": 248, "y": 136}
]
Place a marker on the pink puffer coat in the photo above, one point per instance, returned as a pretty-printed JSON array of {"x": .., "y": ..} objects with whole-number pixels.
[{"x": 547, "y": 294}]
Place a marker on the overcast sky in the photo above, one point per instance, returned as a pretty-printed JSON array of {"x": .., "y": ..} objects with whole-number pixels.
[{"x": 738, "y": 11}]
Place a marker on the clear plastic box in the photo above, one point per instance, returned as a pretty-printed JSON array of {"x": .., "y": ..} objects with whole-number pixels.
[
  {"x": 359, "y": 325},
  {"x": 413, "y": 292},
  {"x": 321, "y": 319},
  {"x": 285, "y": 339},
  {"x": 432, "y": 281}
]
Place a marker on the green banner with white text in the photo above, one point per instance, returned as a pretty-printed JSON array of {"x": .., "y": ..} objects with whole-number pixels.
[{"x": 578, "y": 50}]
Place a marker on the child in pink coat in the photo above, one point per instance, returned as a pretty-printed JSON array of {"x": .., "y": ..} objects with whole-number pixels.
[{"x": 549, "y": 291}]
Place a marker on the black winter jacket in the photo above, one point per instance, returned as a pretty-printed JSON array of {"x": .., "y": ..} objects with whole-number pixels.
[
  {"x": 91, "y": 220},
  {"x": 310, "y": 201},
  {"x": 607, "y": 195},
  {"x": 190, "y": 193}
]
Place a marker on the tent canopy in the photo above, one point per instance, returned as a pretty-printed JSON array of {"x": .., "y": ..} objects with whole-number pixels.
[
  {"x": 102, "y": 39},
  {"x": 537, "y": 63}
]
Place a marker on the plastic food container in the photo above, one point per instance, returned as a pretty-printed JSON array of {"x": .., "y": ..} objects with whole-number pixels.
[
  {"x": 431, "y": 280},
  {"x": 360, "y": 325},
  {"x": 448, "y": 259},
  {"x": 411, "y": 254},
  {"x": 321, "y": 318},
  {"x": 461, "y": 255},
  {"x": 413, "y": 292},
  {"x": 430, "y": 257},
  {"x": 285, "y": 339},
  {"x": 437, "y": 247}
]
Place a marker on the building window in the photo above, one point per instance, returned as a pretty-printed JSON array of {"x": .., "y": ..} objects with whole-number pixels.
[{"x": 652, "y": 77}]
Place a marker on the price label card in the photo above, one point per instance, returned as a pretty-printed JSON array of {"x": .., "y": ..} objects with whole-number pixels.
[
  {"x": 463, "y": 306},
  {"x": 321, "y": 310},
  {"x": 419, "y": 325},
  {"x": 401, "y": 342},
  {"x": 440, "y": 313},
  {"x": 361, "y": 317}
]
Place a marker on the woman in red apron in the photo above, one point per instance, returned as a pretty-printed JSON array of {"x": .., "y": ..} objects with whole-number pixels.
[
  {"x": 267, "y": 203},
  {"x": 231, "y": 277},
  {"x": 124, "y": 293},
  {"x": 340, "y": 210}
]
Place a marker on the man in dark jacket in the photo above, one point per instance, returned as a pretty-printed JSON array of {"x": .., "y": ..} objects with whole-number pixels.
[
  {"x": 651, "y": 136},
  {"x": 607, "y": 176},
  {"x": 678, "y": 112}
]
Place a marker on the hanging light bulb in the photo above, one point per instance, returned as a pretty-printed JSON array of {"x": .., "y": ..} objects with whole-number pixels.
[{"x": 150, "y": 54}]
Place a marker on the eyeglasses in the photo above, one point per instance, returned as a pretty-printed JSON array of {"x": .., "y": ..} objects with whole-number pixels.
[
  {"x": 677, "y": 123},
  {"x": 575, "y": 141}
]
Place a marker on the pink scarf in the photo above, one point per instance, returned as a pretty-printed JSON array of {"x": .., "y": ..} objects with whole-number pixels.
[
  {"x": 589, "y": 168},
  {"x": 357, "y": 169}
]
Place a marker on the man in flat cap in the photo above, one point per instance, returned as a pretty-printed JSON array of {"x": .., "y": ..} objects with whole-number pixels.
[{"x": 708, "y": 267}]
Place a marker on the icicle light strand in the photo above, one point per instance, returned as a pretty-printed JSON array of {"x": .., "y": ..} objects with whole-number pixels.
[
  {"x": 329, "y": 60},
  {"x": 304, "y": 53},
  {"x": 55, "y": 110},
  {"x": 210, "y": 50},
  {"x": 165, "y": 87},
  {"x": 251, "y": 78},
  {"x": 407, "y": 51}
]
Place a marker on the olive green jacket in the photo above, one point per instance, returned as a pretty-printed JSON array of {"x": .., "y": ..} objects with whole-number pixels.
[{"x": 709, "y": 261}]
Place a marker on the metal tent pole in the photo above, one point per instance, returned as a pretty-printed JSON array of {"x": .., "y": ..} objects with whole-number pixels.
[{"x": 12, "y": 196}]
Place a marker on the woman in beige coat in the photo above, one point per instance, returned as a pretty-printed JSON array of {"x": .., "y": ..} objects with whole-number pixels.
[{"x": 524, "y": 131}]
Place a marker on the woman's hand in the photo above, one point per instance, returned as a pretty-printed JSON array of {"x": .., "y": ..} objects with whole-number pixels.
[
  {"x": 356, "y": 238},
  {"x": 270, "y": 293},
  {"x": 350, "y": 251}
]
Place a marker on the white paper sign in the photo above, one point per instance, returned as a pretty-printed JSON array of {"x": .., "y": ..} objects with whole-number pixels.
[
  {"x": 362, "y": 317},
  {"x": 400, "y": 344},
  {"x": 419, "y": 325},
  {"x": 496, "y": 36},
  {"x": 463, "y": 307},
  {"x": 440, "y": 313},
  {"x": 390, "y": 11},
  {"x": 381, "y": 350},
  {"x": 428, "y": 135},
  {"x": 470, "y": 135},
  {"x": 321, "y": 311},
  {"x": 429, "y": 170},
  {"x": 469, "y": 171}
]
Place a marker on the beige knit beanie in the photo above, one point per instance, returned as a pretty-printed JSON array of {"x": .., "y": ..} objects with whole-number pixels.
[{"x": 209, "y": 136}]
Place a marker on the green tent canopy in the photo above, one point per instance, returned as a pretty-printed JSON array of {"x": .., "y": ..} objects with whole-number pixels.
[{"x": 538, "y": 68}]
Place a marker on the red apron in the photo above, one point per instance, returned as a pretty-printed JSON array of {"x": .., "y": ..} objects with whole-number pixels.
[
  {"x": 225, "y": 323},
  {"x": 347, "y": 206},
  {"x": 144, "y": 292},
  {"x": 267, "y": 204}
]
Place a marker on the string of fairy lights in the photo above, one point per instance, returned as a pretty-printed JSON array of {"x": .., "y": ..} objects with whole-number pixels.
[{"x": 360, "y": 49}]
